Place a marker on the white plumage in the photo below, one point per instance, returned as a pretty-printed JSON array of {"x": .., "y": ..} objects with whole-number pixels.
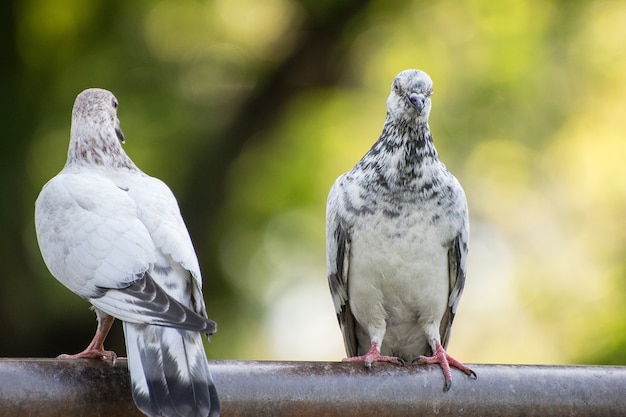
[
  {"x": 115, "y": 236},
  {"x": 397, "y": 238}
]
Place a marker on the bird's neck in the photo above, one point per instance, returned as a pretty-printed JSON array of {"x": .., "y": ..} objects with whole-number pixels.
[
  {"x": 404, "y": 154},
  {"x": 90, "y": 151},
  {"x": 410, "y": 138}
]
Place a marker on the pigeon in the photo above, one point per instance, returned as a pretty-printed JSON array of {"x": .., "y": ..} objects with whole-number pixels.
[
  {"x": 115, "y": 236},
  {"x": 397, "y": 233}
]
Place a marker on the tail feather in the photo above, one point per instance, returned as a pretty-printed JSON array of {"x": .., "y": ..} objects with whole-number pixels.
[{"x": 169, "y": 372}]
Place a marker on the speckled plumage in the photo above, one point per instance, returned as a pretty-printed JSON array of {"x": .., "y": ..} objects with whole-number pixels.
[
  {"x": 397, "y": 235},
  {"x": 115, "y": 236}
]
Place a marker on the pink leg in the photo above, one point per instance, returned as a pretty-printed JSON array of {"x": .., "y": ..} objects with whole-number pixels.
[
  {"x": 95, "y": 350},
  {"x": 446, "y": 361},
  {"x": 373, "y": 355}
]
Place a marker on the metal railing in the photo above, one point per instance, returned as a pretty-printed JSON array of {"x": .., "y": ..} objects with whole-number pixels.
[{"x": 90, "y": 388}]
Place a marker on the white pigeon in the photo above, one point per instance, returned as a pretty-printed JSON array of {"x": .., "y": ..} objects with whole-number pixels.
[
  {"x": 115, "y": 236},
  {"x": 397, "y": 235}
]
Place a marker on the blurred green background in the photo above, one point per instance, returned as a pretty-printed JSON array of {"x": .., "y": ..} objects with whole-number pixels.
[{"x": 250, "y": 109}]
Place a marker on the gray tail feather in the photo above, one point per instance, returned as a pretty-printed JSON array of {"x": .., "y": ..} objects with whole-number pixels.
[{"x": 169, "y": 372}]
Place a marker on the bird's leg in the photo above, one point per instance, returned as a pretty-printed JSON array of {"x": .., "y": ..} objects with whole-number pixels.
[
  {"x": 95, "y": 349},
  {"x": 446, "y": 361},
  {"x": 373, "y": 355}
]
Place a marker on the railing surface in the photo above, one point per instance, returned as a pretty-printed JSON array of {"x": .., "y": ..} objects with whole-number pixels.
[{"x": 90, "y": 388}]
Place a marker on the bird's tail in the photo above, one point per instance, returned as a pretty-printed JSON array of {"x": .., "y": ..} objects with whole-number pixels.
[{"x": 169, "y": 372}]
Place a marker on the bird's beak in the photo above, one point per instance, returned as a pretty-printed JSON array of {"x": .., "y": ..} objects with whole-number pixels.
[
  {"x": 118, "y": 132},
  {"x": 418, "y": 101}
]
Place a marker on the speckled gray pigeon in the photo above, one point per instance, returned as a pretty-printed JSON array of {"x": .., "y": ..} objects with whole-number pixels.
[
  {"x": 115, "y": 236},
  {"x": 397, "y": 235}
]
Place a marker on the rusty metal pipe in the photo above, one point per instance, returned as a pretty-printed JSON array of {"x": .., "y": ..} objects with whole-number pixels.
[{"x": 50, "y": 387}]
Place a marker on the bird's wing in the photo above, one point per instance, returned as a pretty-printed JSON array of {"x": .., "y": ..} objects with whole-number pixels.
[
  {"x": 93, "y": 242},
  {"x": 158, "y": 210},
  {"x": 338, "y": 263},
  {"x": 89, "y": 234},
  {"x": 457, "y": 259},
  {"x": 168, "y": 367}
]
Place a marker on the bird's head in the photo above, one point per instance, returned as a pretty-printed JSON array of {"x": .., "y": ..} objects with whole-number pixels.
[
  {"x": 95, "y": 112},
  {"x": 96, "y": 136},
  {"x": 410, "y": 96}
]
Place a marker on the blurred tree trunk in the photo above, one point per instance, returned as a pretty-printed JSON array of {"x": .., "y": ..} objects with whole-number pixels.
[{"x": 316, "y": 60}]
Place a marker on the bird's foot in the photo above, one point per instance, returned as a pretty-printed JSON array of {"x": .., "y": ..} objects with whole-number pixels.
[
  {"x": 373, "y": 355},
  {"x": 90, "y": 353},
  {"x": 95, "y": 349},
  {"x": 446, "y": 361}
]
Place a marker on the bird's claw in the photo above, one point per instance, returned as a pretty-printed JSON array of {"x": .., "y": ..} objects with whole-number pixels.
[
  {"x": 92, "y": 354},
  {"x": 373, "y": 355},
  {"x": 369, "y": 359},
  {"x": 446, "y": 362}
]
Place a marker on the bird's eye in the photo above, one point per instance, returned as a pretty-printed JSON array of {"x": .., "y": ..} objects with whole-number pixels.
[
  {"x": 430, "y": 92},
  {"x": 396, "y": 86},
  {"x": 114, "y": 103}
]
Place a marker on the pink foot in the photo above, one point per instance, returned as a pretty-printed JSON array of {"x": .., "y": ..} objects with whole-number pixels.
[
  {"x": 95, "y": 349},
  {"x": 373, "y": 355},
  {"x": 446, "y": 361},
  {"x": 92, "y": 354}
]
